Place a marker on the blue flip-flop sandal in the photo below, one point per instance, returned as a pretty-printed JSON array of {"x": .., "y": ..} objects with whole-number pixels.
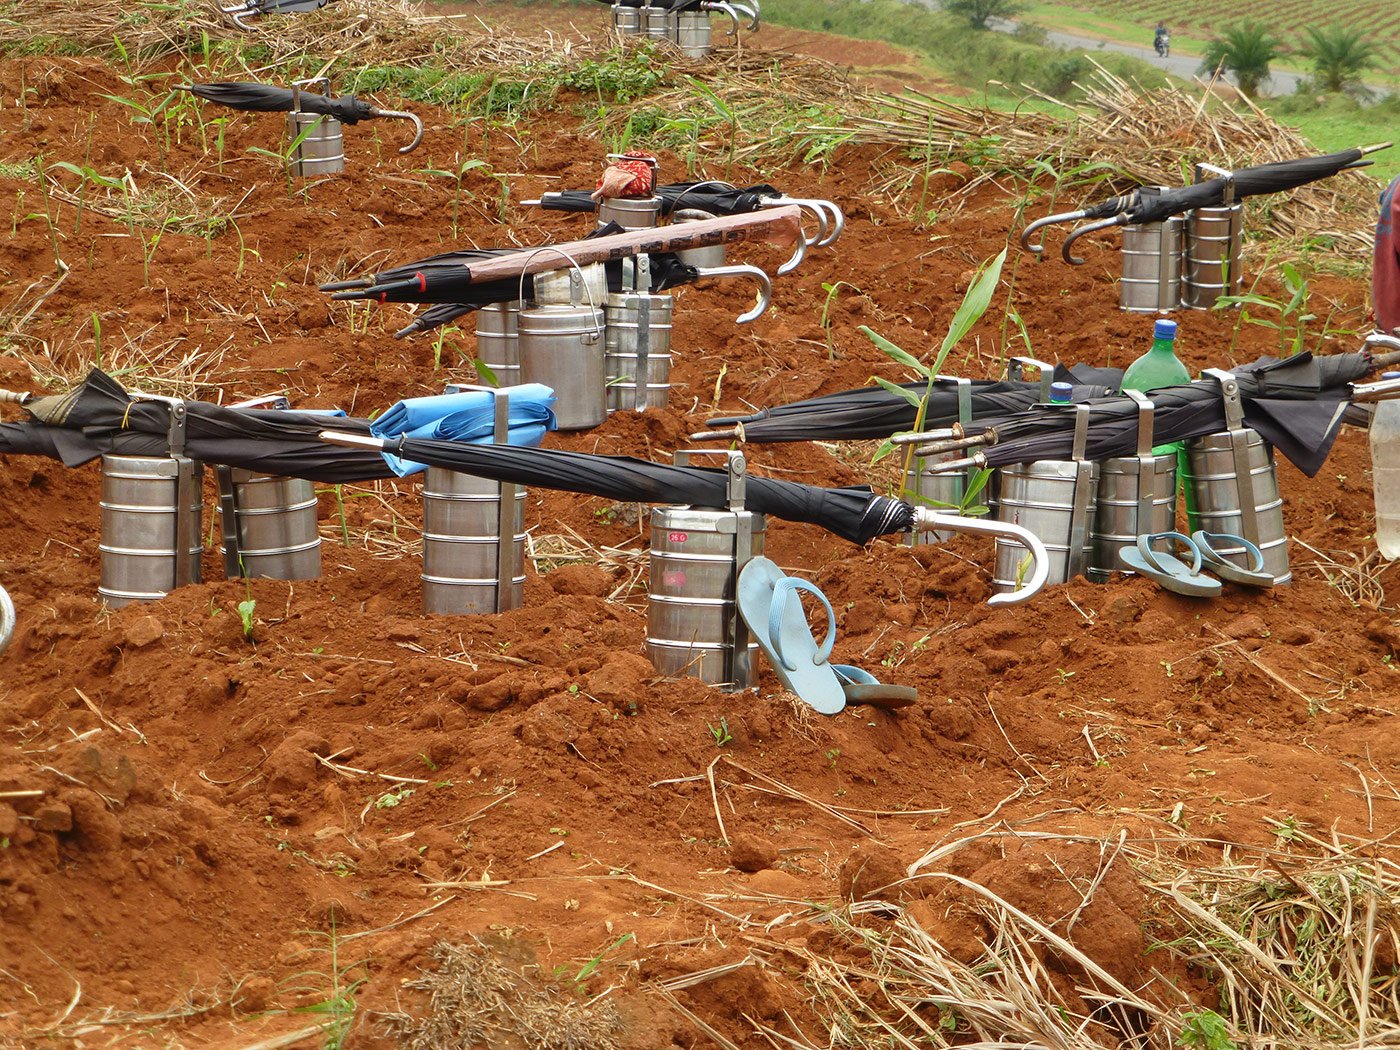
[
  {"x": 1169, "y": 570},
  {"x": 862, "y": 687},
  {"x": 1212, "y": 544},
  {"x": 771, "y": 604}
]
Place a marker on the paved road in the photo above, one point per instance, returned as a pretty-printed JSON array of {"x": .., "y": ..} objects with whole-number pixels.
[{"x": 1184, "y": 66}]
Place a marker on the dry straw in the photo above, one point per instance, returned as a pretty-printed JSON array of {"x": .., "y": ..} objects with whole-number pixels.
[{"x": 1150, "y": 137}]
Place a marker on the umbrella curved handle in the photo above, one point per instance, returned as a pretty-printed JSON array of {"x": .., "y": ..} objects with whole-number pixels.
[
  {"x": 7, "y": 619},
  {"x": 831, "y": 220},
  {"x": 719, "y": 5},
  {"x": 399, "y": 114},
  {"x": 926, "y": 520},
  {"x": 798, "y": 255},
  {"x": 1038, "y": 250},
  {"x": 838, "y": 220},
  {"x": 765, "y": 286},
  {"x": 1117, "y": 220},
  {"x": 817, "y": 213},
  {"x": 748, "y": 10}
]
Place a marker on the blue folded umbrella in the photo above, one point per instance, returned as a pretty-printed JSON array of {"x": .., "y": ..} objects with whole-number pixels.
[{"x": 468, "y": 417}]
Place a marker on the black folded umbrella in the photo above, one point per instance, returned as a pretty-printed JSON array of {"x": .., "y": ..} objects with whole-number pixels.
[
  {"x": 288, "y": 444},
  {"x": 1153, "y": 204},
  {"x": 667, "y": 271},
  {"x": 1295, "y": 404},
  {"x": 873, "y": 412},
  {"x": 450, "y": 279},
  {"x": 714, "y": 197},
  {"x": 99, "y": 417},
  {"x": 268, "y": 98},
  {"x": 854, "y": 513},
  {"x": 1303, "y": 431}
]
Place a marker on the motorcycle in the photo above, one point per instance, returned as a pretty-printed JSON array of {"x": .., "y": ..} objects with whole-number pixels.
[{"x": 1163, "y": 43}]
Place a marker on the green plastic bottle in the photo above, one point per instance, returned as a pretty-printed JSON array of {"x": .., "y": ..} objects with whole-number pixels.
[{"x": 1157, "y": 368}]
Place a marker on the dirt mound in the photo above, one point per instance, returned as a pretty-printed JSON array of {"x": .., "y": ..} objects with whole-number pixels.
[{"x": 201, "y": 831}]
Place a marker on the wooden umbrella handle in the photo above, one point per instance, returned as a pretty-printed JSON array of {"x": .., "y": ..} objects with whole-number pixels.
[{"x": 780, "y": 226}]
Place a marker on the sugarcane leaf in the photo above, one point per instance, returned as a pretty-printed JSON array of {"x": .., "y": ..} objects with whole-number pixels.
[
  {"x": 898, "y": 391},
  {"x": 974, "y": 305},
  {"x": 890, "y": 350}
]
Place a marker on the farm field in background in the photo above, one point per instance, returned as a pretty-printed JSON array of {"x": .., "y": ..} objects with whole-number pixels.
[{"x": 1199, "y": 20}]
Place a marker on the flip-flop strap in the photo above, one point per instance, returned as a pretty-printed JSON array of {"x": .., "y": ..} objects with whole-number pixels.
[
  {"x": 1144, "y": 545},
  {"x": 781, "y": 590},
  {"x": 1216, "y": 539}
]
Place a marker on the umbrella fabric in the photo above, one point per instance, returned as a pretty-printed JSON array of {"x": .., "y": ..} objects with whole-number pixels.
[
  {"x": 70, "y": 447},
  {"x": 855, "y": 513},
  {"x": 268, "y": 98},
  {"x": 1248, "y": 182},
  {"x": 1303, "y": 430},
  {"x": 709, "y": 196},
  {"x": 284, "y": 443},
  {"x": 469, "y": 416},
  {"x": 873, "y": 412},
  {"x": 281, "y": 443},
  {"x": 1148, "y": 204}
]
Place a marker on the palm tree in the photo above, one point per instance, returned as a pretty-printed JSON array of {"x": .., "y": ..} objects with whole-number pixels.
[
  {"x": 1245, "y": 49},
  {"x": 1339, "y": 57}
]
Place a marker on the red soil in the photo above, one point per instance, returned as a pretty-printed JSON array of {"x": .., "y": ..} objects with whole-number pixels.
[{"x": 202, "y": 809}]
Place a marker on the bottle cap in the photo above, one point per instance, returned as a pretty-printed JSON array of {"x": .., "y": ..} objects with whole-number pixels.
[
  {"x": 1164, "y": 330},
  {"x": 1060, "y": 393}
]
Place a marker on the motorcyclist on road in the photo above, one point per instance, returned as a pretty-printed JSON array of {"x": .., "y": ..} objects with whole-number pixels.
[{"x": 1162, "y": 39}]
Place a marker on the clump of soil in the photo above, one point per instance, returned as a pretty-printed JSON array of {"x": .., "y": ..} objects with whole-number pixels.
[{"x": 189, "y": 817}]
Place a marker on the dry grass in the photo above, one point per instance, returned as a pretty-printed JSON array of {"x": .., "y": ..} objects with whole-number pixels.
[
  {"x": 492, "y": 994},
  {"x": 1301, "y": 942},
  {"x": 1145, "y": 138}
]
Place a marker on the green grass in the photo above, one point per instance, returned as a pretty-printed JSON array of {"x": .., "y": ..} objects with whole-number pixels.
[{"x": 1338, "y": 123}]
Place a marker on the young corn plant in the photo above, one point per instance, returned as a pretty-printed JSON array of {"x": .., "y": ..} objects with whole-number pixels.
[
  {"x": 975, "y": 303},
  {"x": 456, "y": 175},
  {"x": 1289, "y": 317}
]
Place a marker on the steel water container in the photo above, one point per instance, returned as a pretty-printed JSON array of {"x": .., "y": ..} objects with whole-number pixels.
[
  {"x": 321, "y": 152},
  {"x": 658, "y": 23},
  {"x": 631, "y": 213},
  {"x": 623, "y": 365},
  {"x": 497, "y": 341},
  {"x": 1054, "y": 499},
  {"x": 1118, "y": 518},
  {"x": 276, "y": 521},
  {"x": 1214, "y": 240},
  {"x": 703, "y": 258},
  {"x": 691, "y": 608},
  {"x": 562, "y": 347},
  {"x": 940, "y": 492},
  {"x": 627, "y": 21},
  {"x": 461, "y": 544},
  {"x": 693, "y": 33},
  {"x": 1214, "y": 467},
  {"x": 146, "y": 507},
  {"x": 572, "y": 286},
  {"x": 1151, "y": 278}
]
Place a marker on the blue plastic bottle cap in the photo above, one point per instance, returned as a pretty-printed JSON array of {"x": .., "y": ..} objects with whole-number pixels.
[
  {"x": 1060, "y": 393},
  {"x": 1164, "y": 330}
]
